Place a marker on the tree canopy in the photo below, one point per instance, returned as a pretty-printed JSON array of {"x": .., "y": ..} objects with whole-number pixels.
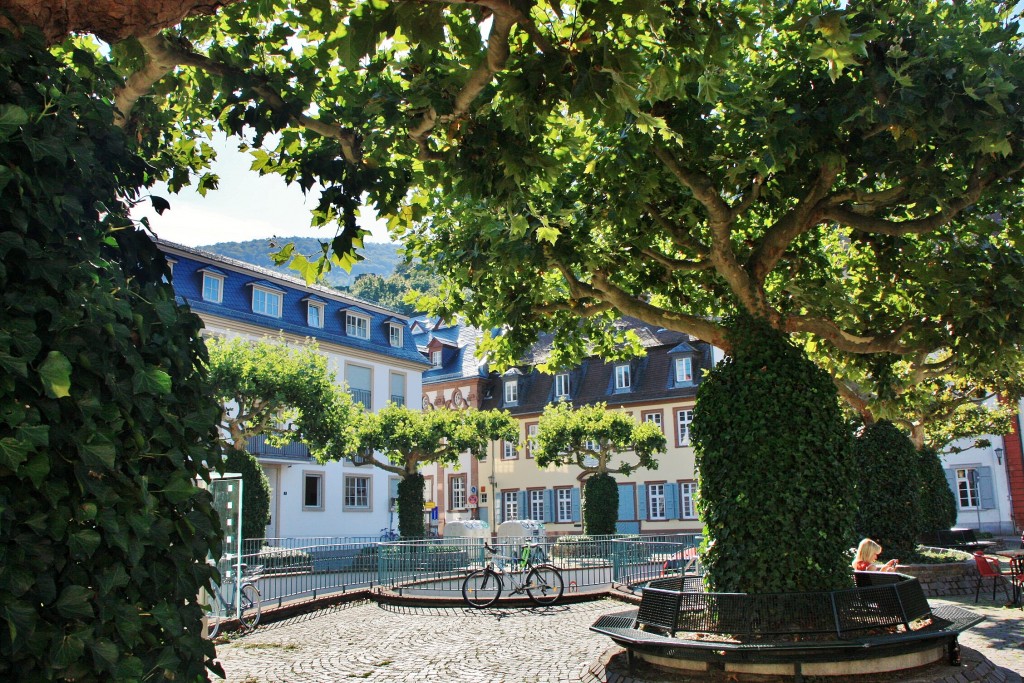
[{"x": 849, "y": 171}]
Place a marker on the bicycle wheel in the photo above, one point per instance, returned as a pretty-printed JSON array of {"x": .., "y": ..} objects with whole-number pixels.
[
  {"x": 544, "y": 584},
  {"x": 481, "y": 588},
  {"x": 249, "y": 607},
  {"x": 213, "y": 619}
]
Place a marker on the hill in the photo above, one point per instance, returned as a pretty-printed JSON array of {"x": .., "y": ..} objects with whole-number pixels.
[{"x": 381, "y": 258}]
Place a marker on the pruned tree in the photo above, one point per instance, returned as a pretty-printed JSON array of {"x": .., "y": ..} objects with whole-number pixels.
[
  {"x": 399, "y": 440},
  {"x": 601, "y": 443}
]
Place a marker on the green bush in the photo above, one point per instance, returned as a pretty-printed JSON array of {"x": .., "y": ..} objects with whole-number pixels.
[
  {"x": 410, "y": 506},
  {"x": 105, "y": 421},
  {"x": 255, "y": 492},
  {"x": 936, "y": 502},
  {"x": 600, "y": 505},
  {"x": 887, "y": 489},
  {"x": 776, "y": 476}
]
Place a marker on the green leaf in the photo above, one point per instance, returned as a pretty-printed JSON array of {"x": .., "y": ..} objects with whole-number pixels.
[
  {"x": 98, "y": 452},
  {"x": 152, "y": 381},
  {"x": 13, "y": 452},
  {"x": 67, "y": 651},
  {"x": 11, "y": 118},
  {"x": 74, "y": 602},
  {"x": 84, "y": 543},
  {"x": 55, "y": 373}
]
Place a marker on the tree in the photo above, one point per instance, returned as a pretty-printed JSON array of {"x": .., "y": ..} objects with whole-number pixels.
[
  {"x": 255, "y": 492},
  {"x": 396, "y": 290},
  {"x": 936, "y": 503},
  {"x": 888, "y": 471},
  {"x": 595, "y": 439},
  {"x": 399, "y": 440},
  {"x": 777, "y": 478},
  {"x": 286, "y": 393}
]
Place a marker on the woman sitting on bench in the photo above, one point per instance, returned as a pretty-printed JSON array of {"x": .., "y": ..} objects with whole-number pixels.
[{"x": 866, "y": 559}]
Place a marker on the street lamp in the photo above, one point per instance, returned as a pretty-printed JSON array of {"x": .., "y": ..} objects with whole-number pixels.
[{"x": 999, "y": 456}]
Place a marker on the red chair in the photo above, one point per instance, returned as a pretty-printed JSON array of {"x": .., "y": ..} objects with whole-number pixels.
[
  {"x": 1017, "y": 579},
  {"x": 988, "y": 567}
]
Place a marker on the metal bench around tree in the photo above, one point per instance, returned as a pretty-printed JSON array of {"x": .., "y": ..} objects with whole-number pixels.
[
  {"x": 956, "y": 539},
  {"x": 885, "y": 614}
]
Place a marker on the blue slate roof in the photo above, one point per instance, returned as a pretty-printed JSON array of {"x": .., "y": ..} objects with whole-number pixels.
[
  {"x": 236, "y": 303},
  {"x": 458, "y": 356}
]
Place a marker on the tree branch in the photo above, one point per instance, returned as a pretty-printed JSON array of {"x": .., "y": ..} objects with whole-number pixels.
[
  {"x": 680, "y": 237},
  {"x": 847, "y": 341},
  {"x": 855, "y": 400}
]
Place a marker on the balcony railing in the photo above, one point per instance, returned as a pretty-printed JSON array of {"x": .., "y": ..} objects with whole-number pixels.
[
  {"x": 398, "y": 399},
  {"x": 361, "y": 396},
  {"x": 258, "y": 446}
]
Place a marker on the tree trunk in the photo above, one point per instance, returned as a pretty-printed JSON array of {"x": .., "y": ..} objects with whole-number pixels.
[{"x": 111, "y": 20}]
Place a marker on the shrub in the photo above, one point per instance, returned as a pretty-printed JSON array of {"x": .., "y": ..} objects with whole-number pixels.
[
  {"x": 936, "y": 502},
  {"x": 887, "y": 489},
  {"x": 410, "y": 506},
  {"x": 255, "y": 492},
  {"x": 105, "y": 420},
  {"x": 600, "y": 505},
  {"x": 776, "y": 477}
]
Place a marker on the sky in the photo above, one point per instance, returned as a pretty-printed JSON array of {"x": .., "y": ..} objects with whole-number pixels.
[{"x": 246, "y": 206}]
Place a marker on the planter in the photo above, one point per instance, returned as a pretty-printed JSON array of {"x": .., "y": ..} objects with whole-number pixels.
[{"x": 950, "y": 578}]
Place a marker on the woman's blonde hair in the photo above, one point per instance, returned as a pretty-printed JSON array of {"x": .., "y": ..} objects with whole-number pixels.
[{"x": 865, "y": 549}]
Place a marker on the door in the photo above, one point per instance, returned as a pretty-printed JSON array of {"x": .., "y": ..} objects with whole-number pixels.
[{"x": 273, "y": 473}]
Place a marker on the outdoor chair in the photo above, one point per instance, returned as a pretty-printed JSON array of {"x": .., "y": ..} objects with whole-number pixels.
[
  {"x": 988, "y": 567},
  {"x": 1017, "y": 579}
]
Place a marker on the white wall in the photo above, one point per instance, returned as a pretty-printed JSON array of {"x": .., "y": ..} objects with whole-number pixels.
[{"x": 994, "y": 514}]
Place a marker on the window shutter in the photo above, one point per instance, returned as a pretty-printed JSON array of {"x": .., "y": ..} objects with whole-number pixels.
[
  {"x": 986, "y": 490},
  {"x": 524, "y": 512},
  {"x": 575, "y": 502},
  {"x": 951, "y": 480},
  {"x": 499, "y": 509},
  {"x": 642, "y": 500},
  {"x": 484, "y": 514},
  {"x": 627, "y": 511},
  {"x": 671, "y": 501},
  {"x": 549, "y": 505}
]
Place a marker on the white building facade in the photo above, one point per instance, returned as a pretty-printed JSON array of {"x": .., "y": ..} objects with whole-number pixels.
[{"x": 367, "y": 347}]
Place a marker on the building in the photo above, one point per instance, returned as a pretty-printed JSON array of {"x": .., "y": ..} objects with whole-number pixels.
[
  {"x": 659, "y": 387},
  {"x": 367, "y": 347}
]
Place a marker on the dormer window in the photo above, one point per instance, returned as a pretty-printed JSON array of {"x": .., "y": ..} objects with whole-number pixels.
[
  {"x": 395, "y": 335},
  {"x": 356, "y": 325},
  {"x": 511, "y": 391},
  {"x": 683, "y": 370},
  {"x": 266, "y": 301},
  {"x": 315, "y": 314},
  {"x": 213, "y": 287},
  {"x": 623, "y": 378},
  {"x": 562, "y": 385},
  {"x": 435, "y": 358}
]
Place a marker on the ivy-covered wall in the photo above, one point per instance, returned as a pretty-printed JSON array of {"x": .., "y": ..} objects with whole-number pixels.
[{"x": 105, "y": 419}]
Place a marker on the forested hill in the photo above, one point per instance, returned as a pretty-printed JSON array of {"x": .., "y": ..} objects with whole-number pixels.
[{"x": 381, "y": 258}]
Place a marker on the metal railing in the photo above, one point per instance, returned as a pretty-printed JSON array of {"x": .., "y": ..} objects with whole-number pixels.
[
  {"x": 361, "y": 396},
  {"x": 304, "y": 568}
]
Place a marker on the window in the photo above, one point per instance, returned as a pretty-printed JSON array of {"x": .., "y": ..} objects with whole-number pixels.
[
  {"x": 622, "y": 377},
  {"x": 266, "y": 302},
  {"x": 359, "y": 380},
  {"x": 395, "y": 335},
  {"x": 510, "y": 505},
  {"x": 531, "y": 439},
  {"x": 655, "y": 417},
  {"x": 537, "y": 505},
  {"x": 683, "y": 420},
  {"x": 357, "y": 492},
  {"x": 312, "y": 491},
  {"x": 398, "y": 388},
  {"x": 435, "y": 358},
  {"x": 684, "y": 370},
  {"x": 967, "y": 487},
  {"x": 562, "y": 385},
  {"x": 457, "y": 492},
  {"x": 656, "y": 501},
  {"x": 511, "y": 391},
  {"x": 689, "y": 499},
  {"x": 315, "y": 315},
  {"x": 357, "y": 326},
  {"x": 213, "y": 288},
  {"x": 563, "y": 503},
  {"x": 508, "y": 451}
]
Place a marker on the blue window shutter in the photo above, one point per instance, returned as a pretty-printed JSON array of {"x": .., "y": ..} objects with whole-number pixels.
[
  {"x": 524, "y": 513},
  {"x": 672, "y": 500},
  {"x": 484, "y": 514},
  {"x": 986, "y": 490},
  {"x": 549, "y": 505},
  {"x": 499, "y": 509},
  {"x": 575, "y": 502},
  {"x": 627, "y": 510},
  {"x": 951, "y": 480},
  {"x": 642, "y": 500}
]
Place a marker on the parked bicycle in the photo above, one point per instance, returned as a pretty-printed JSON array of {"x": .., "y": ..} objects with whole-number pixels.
[
  {"x": 543, "y": 582},
  {"x": 249, "y": 600},
  {"x": 388, "y": 535}
]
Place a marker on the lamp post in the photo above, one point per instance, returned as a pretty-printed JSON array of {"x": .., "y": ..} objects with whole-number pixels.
[
  {"x": 973, "y": 480},
  {"x": 493, "y": 482}
]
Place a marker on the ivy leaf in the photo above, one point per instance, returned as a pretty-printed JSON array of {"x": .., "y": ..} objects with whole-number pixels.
[
  {"x": 67, "y": 651},
  {"x": 152, "y": 381},
  {"x": 11, "y": 118},
  {"x": 13, "y": 452},
  {"x": 98, "y": 452},
  {"x": 74, "y": 602},
  {"x": 84, "y": 543},
  {"x": 56, "y": 375},
  {"x": 18, "y": 615}
]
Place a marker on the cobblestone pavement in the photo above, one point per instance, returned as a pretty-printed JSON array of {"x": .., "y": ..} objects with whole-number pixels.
[{"x": 367, "y": 641}]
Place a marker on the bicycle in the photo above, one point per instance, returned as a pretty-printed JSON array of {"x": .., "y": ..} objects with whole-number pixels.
[
  {"x": 249, "y": 607},
  {"x": 388, "y": 535},
  {"x": 543, "y": 582}
]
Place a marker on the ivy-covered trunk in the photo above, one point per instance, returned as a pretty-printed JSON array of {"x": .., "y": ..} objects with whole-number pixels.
[
  {"x": 600, "y": 505},
  {"x": 888, "y": 480},
  {"x": 255, "y": 492},
  {"x": 105, "y": 417},
  {"x": 775, "y": 467},
  {"x": 410, "y": 506}
]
